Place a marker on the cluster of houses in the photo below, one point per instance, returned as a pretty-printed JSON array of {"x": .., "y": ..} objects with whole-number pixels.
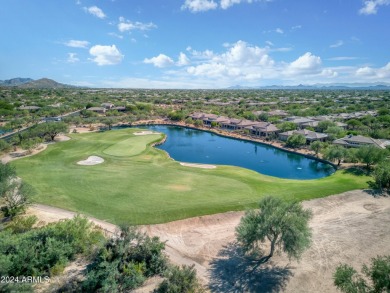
[
  {"x": 255, "y": 128},
  {"x": 106, "y": 107},
  {"x": 266, "y": 129}
]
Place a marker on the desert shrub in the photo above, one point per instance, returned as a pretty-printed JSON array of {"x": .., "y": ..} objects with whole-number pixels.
[
  {"x": 45, "y": 251},
  {"x": 125, "y": 262}
]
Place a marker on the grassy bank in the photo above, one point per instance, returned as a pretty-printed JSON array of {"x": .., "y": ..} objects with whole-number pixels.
[{"x": 139, "y": 184}]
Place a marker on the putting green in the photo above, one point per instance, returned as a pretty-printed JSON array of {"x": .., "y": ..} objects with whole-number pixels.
[
  {"x": 139, "y": 184},
  {"x": 131, "y": 146}
]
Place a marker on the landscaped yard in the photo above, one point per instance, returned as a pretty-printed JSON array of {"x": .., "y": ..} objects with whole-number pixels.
[{"x": 139, "y": 184}]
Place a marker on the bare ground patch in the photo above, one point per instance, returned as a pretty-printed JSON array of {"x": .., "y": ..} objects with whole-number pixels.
[{"x": 351, "y": 227}]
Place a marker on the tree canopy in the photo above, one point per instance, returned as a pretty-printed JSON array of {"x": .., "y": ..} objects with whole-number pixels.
[
  {"x": 283, "y": 224},
  {"x": 375, "y": 279}
]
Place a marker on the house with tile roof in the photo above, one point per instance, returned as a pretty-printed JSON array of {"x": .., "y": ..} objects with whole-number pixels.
[{"x": 308, "y": 134}]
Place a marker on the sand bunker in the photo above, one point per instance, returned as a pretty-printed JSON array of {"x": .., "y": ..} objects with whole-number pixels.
[
  {"x": 92, "y": 160},
  {"x": 147, "y": 132},
  {"x": 203, "y": 166}
]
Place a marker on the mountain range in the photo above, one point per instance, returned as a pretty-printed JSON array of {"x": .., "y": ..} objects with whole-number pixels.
[
  {"x": 15, "y": 81},
  {"x": 43, "y": 83},
  {"x": 320, "y": 86}
]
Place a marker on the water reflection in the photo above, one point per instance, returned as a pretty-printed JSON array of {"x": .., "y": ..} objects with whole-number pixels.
[{"x": 190, "y": 145}]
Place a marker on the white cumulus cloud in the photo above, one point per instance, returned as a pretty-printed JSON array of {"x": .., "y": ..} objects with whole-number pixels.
[
  {"x": 183, "y": 60},
  {"x": 160, "y": 61},
  {"x": 382, "y": 73},
  {"x": 371, "y": 6},
  {"x": 127, "y": 25},
  {"x": 307, "y": 63},
  {"x": 77, "y": 44},
  {"x": 248, "y": 64},
  {"x": 95, "y": 11},
  {"x": 199, "y": 5},
  {"x": 240, "y": 62},
  {"x": 106, "y": 55}
]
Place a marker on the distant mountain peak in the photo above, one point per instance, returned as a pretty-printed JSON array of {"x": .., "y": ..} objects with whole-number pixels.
[
  {"x": 320, "y": 86},
  {"x": 45, "y": 83}
]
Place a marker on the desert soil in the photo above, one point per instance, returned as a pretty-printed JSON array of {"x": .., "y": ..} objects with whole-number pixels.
[{"x": 349, "y": 228}]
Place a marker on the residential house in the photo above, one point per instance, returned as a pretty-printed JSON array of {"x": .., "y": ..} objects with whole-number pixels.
[
  {"x": 309, "y": 135},
  {"x": 119, "y": 108},
  {"x": 280, "y": 113},
  {"x": 262, "y": 129},
  {"x": 29, "y": 108},
  {"x": 107, "y": 105},
  {"x": 299, "y": 121},
  {"x": 355, "y": 141},
  {"x": 100, "y": 110}
]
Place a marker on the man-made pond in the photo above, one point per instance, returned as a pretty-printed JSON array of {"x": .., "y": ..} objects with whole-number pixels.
[{"x": 195, "y": 146}]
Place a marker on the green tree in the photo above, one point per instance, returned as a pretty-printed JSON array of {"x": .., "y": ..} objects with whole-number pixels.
[
  {"x": 335, "y": 132},
  {"x": 381, "y": 174},
  {"x": 354, "y": 124},
  {"x": 316, "y": 147},
  {"x": 48, "y": 130},
  {"x": 263, "y": 117},
  {"x": 375, "y": 279},
  {"x": 189, "y": 121},
  {"x": 285, "y": 225},
  {"x": 296, "y": 140},
  {"x": 370, "y": 155},
  {"x": 287, "y": 126},
  {"x": 198, "y": 123},
  {"x": 335, "y": 153},
  {"x": 214, "y": 124},
  {"x": 109, "y": 122},
  {"x": 323, "y": 125},
  {"x": 4, "y": 145},
  {"x": 176, "y": 116}
]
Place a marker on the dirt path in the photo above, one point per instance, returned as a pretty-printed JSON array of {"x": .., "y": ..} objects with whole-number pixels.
[
  {"x": 351, "y": 227},
  {"x": 50, "y": 214}
]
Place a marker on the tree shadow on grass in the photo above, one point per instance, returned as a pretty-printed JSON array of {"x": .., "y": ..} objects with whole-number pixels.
[
  {"x": 357, "y": 171},
  {"x": 232, "y": 271}
]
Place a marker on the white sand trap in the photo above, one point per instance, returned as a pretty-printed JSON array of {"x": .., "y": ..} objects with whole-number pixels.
[
  {"x": 92, "y": 160},
  {"x": 203, "y": 166},
  {"x": 147, "y": 132}
]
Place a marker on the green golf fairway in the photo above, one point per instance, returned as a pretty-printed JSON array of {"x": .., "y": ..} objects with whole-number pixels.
[{"x": 138, "y": 184}]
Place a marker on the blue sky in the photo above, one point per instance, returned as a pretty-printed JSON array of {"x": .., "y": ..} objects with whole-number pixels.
[{"x": 195, "y": 43}]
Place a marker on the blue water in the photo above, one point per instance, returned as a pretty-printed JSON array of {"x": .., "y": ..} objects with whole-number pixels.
[{"x": 195, "y": 146}]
